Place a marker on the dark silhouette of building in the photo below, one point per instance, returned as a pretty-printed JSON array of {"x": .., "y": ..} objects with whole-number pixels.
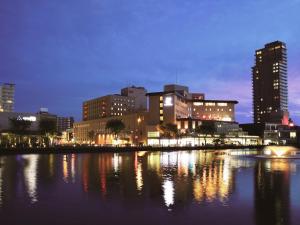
[{"x": 269, "y": 78}]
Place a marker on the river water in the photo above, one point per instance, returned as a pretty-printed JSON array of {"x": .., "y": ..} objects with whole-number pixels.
[{"x": 178, "y": 187}]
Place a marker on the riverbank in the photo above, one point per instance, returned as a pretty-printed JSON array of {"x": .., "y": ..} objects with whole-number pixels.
[{"x": 99, "y": 149}]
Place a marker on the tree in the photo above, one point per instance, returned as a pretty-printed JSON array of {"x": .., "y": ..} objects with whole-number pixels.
[
  {"x": 169, "y": 130},
  {"x": 206, "y": 129},
  {"x": 47, "y": 128},
  {"x": 115, "y": 126},
  {"x": 91, "y": 135}
]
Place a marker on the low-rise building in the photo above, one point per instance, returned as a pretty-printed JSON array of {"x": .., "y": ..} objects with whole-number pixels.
[
  {"x": 94, "y": 131},
  {"x": 274, "y": 133}
]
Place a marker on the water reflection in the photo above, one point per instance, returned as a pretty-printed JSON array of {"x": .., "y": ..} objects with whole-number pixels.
[
  {"x": 30, "y": 176},
  {"x": 168, "y": 187},
  {"x": 1, "y": 179},
  {"x": 138, "y": 173},
  {"x": 272, "y": 191},
  {"x": 171, "y": 181}
]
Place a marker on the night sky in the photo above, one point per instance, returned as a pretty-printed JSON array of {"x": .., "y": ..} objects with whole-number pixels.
[{"x": 62, "y": 52}]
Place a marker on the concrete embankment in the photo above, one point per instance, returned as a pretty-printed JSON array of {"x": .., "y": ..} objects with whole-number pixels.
[{"x": 100, "y": 149}]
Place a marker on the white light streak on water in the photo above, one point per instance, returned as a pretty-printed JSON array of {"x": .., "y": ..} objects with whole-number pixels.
[
  {"x": 168, "y": 189},
  {"x": 30, "y": 174}
]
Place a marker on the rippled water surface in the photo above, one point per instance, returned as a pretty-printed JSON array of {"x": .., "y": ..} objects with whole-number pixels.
[{"x": 185, "y": 187}]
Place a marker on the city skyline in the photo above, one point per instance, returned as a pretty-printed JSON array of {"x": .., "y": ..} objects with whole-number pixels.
[{"x": 138, "y": 45}]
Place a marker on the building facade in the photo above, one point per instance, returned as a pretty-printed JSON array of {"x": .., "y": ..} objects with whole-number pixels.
[
  {"x": 94, "y": 131},
  {"x": 34, "y": 118},
  {"x": 64, "y": 123},
  {"x": 175, "y": 102},
  {"x": 139, "y": 95},
  {"x": 7, "y": 97},
  {"x": 132, "y": 99},
  {"x": 174, "y": 105},
  {"x": 269, "y": 79},
  {"x": 106, "y": 106}
]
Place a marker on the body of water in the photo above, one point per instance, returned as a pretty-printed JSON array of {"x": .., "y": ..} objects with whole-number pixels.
[{"x": 180, "y": 187}]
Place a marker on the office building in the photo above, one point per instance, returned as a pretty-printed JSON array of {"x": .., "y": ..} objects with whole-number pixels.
[
  {"x": 7, "y": 97},
  {"x": 269, "y": 78}
]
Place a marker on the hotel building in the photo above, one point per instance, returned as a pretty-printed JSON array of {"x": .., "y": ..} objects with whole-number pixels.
[
  {"x": 132, "y": 99},
  {"x": 139, "y": 95},
  {"x": 7, "y": 97},
  {"x": 269, "y": 79},
  {"x": 270, "y": 97},
  {"x": 177, "y": 106}
]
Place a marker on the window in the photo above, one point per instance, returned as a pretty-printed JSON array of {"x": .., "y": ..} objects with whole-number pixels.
[{"x": 197, "y": 103}]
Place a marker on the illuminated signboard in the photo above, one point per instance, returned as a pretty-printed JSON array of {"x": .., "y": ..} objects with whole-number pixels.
[
  {"x": 27, "y": 118},
  {"x": 168, "y": 101}
]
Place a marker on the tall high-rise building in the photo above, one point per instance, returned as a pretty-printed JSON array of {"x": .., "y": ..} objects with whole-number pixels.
[
  {"x": 269, "y": 80},
  {"x": 7, "y": 97}
]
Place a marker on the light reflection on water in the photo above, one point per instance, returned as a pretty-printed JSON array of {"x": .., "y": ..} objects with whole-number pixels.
[
  {"x": 1, "y": 180},
  {"x": 172, "y": 181},
  {"x": 30, "y": 176}
]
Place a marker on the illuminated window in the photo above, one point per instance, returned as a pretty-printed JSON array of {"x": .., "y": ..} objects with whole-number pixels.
[
  {"x": 222, "y": 104},
  {"x": 197, "y": 103},
  {"x": 161, "y": 118},
  {"x": 168, "y": 101},
  {"x": 210, "y": 104},
  {"x": 293, "y": 134}
]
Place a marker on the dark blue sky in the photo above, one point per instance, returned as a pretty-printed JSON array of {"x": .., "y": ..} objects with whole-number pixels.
[{"x": 62, "y": 52}]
